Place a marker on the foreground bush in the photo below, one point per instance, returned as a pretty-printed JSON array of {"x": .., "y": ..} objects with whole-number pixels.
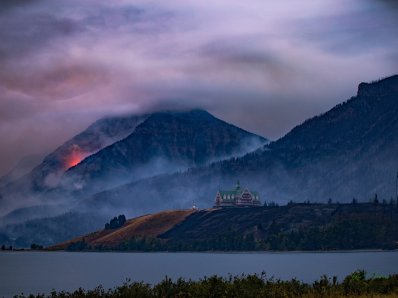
[{"x": 354, "y": 285}]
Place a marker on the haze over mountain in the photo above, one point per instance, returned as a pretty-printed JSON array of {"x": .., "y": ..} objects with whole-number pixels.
[
  {"x": 23, "y": 167},
  {"x": 165, "y": 142},
  {"x": 48, "y": 173},
  {"x": 349, "y": 151}
]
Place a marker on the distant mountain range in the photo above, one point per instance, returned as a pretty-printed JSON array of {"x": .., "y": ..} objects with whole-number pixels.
[{"x": 167, "y": 160}]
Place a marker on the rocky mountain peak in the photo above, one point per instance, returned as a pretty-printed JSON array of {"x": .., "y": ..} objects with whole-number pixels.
[{"x": 378, "y": 88}]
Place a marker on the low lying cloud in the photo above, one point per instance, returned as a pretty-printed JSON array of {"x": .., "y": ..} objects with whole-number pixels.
[{"x": 262, "y": 65}]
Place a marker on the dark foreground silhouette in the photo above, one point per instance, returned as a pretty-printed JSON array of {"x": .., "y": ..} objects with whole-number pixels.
[{"x": 356, "y": 284}]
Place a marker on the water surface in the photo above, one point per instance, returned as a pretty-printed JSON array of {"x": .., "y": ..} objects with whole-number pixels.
[{"x": 40, "y": 272}]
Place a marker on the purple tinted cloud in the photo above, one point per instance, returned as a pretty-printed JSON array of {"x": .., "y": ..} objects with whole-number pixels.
[{"x": 263, "y": 65}]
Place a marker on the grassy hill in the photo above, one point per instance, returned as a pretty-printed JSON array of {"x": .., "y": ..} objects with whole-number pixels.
[
  {"x": 290, "y": 227},
  {"x": 151, "y": 225}
]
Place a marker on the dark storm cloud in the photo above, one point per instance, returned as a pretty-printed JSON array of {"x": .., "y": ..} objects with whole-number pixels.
[
  {"x": 20, "y": 38},
  {"x": 11, "y": 4},
  {"x": 264, "y": 66}
]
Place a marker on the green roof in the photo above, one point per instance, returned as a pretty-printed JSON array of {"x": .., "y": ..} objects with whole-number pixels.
[{"x": 234, "y": 193}]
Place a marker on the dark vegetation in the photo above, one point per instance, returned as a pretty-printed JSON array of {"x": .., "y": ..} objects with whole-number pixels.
[
  {"x": 3, "y": 247},
  {"x": 356, "y": 284},
  {"x": 35, "y": 246},
  {"x": 116, "y": 222},
  {"x": 295, "y": 226}
]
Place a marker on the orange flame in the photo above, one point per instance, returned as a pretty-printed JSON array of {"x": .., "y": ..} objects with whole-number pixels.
[
  {"x": 73, "y": 161},
  {"x": 75, "y": 157}
]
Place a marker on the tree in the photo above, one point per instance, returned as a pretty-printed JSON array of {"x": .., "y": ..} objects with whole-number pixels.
[
  {"x": 116, "y": 222},
  {"x": 121, "y": 219},
  {"x": 376, "y": 200},
  {"x": 113, "y": 223},
  {"x": 35, "y": 246}
]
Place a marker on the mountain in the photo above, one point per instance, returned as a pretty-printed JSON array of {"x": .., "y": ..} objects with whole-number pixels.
[
  {"x": 112, "y": 152},
  {"x": 349, "y": 151},
  {"x": 290, "y": 227},
  {"x": 96, "y": 137},
  {"x": 47, "y": 174},
  {"x": 122, "y": 149},
  {"x": 165, "y": 142}
]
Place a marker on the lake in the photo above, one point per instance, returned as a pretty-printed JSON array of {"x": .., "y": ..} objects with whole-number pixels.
[{"x": 40, "y": 272}]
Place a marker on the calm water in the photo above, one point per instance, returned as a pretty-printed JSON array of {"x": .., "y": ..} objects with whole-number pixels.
[{"x": 34, "y": 272}]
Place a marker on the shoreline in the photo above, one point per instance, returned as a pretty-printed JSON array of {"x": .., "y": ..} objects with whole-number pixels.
[{"x": 212, "y": 252}]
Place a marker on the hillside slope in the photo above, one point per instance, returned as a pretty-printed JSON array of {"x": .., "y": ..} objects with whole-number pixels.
[
  {"x": 151, "y": 225},
  {"x": 291, "y": 227}
]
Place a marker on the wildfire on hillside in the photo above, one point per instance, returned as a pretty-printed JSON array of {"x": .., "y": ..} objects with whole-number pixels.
[{"x": 75, "y": 157}]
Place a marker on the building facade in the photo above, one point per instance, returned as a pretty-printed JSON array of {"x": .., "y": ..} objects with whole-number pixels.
[{"x": 238, "y": 197}]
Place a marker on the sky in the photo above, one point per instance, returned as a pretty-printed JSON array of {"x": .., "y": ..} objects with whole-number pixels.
[{"x": 263, "y": 65}]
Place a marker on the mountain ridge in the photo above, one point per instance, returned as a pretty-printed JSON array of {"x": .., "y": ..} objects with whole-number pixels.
[{"x": 314, "y": 170}]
